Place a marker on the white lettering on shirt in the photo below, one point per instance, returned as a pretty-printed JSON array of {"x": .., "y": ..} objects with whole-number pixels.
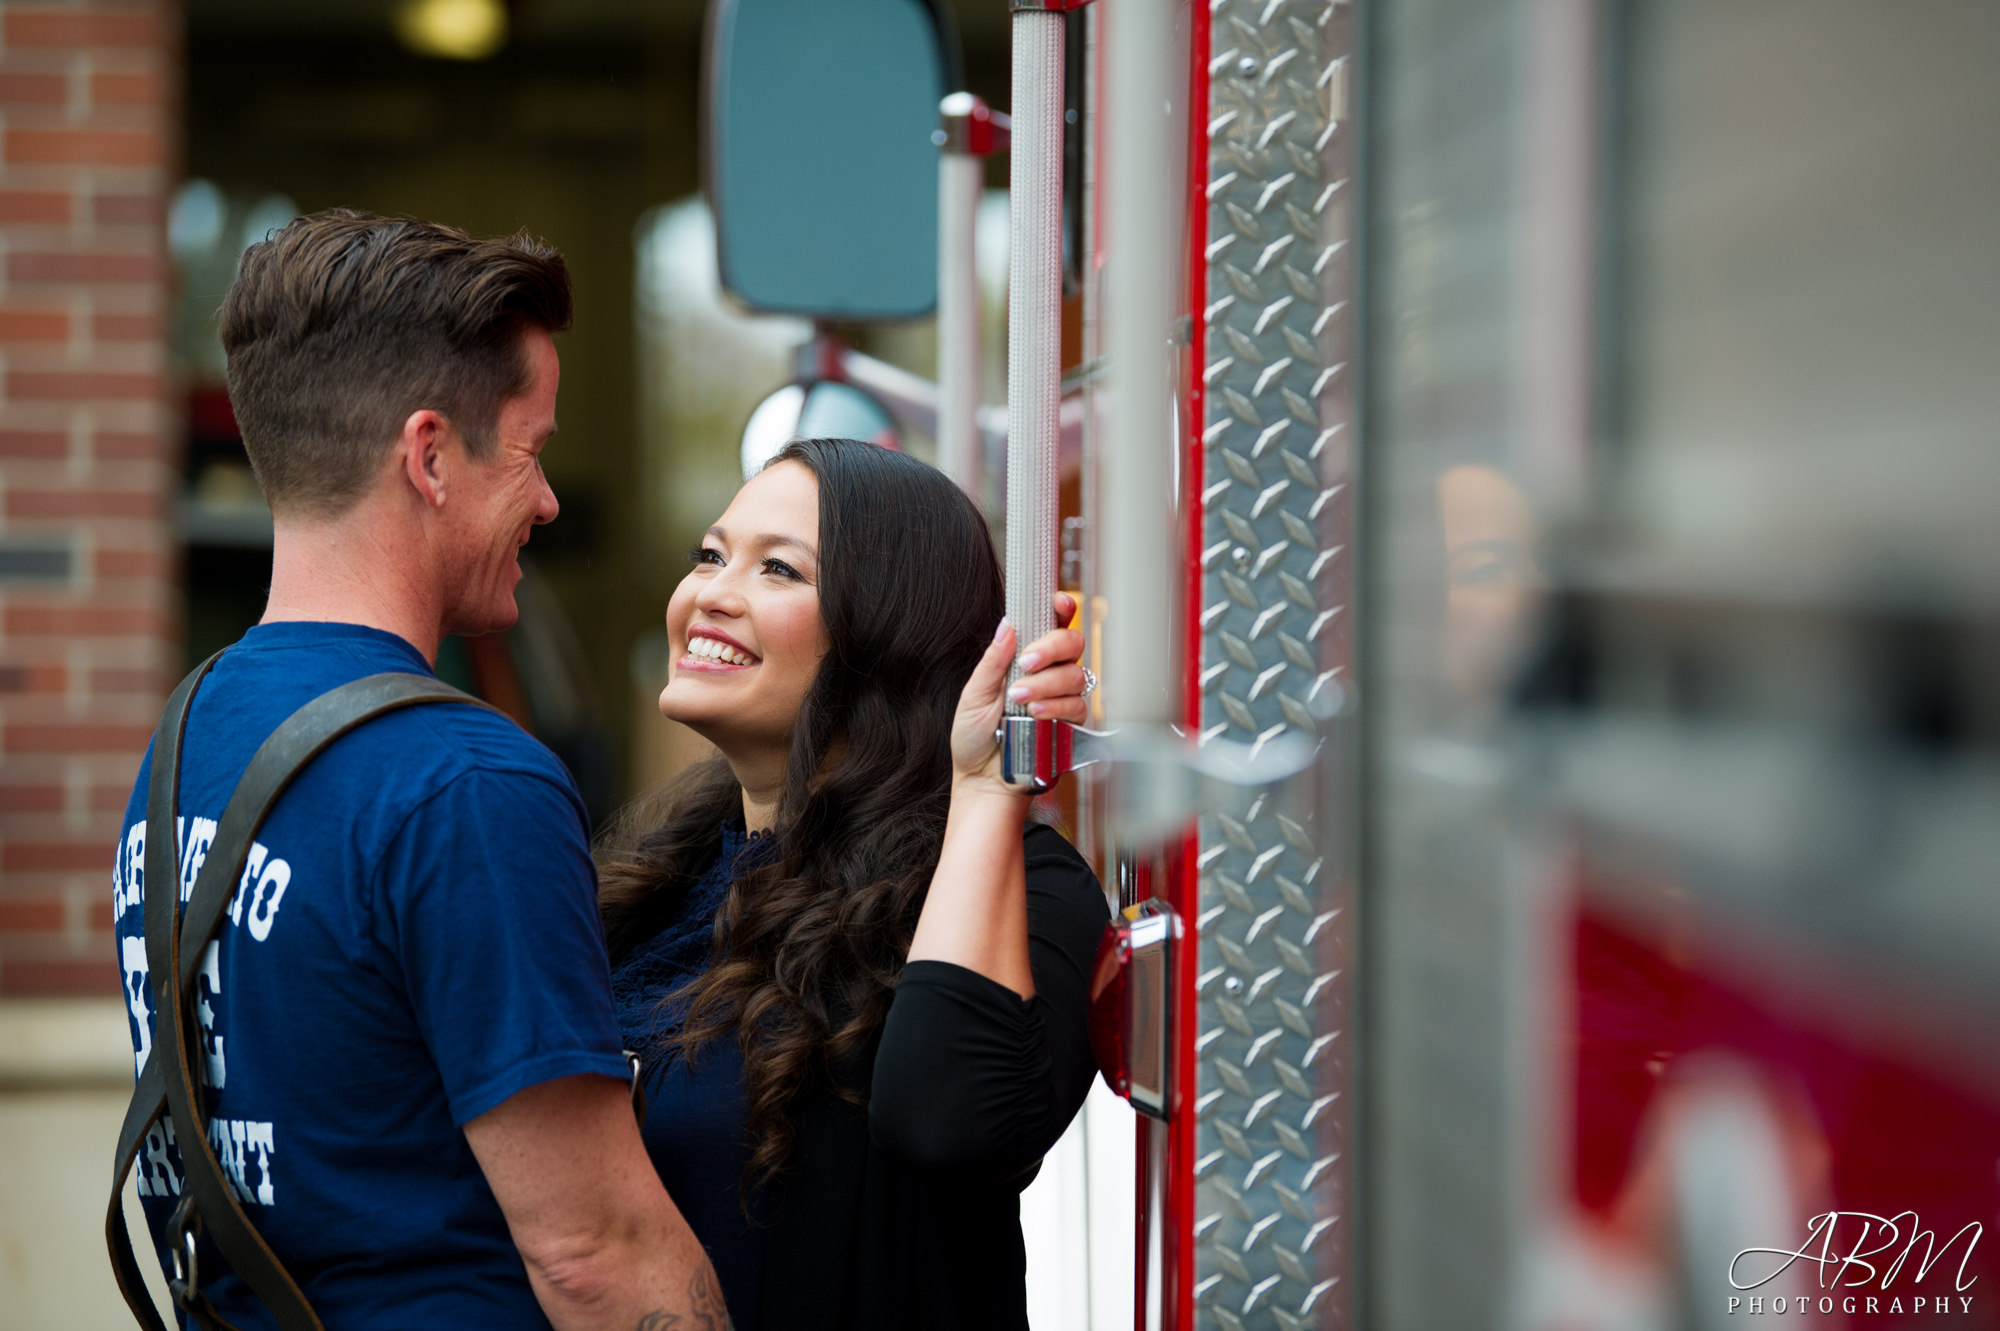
[
  {"x": 262, "y": 885},
  {"x": 156, "y": 1173},
  {"x": 234, "y": 1140},
  {"x": 270, "y": 892},
  {"x": 194, "y": 852},
  {"x": 132, "y": 954},
  {"x": 229, "y": 1153},
  {"x": 128, "y": 879},
  {"x": 259, "y": 1139},
  {"x": 244, "y": 1148},
  {"x": 252, "y": 867},
  {"x": 208, "y": 992}
]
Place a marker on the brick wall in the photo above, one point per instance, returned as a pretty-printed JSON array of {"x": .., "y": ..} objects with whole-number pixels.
[{"x": 88, "y": 443}]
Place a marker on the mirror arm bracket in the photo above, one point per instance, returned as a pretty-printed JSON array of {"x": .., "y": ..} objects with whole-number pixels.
[{"x": 966, "y": 124}]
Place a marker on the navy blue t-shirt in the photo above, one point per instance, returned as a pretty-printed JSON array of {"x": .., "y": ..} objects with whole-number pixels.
[{"x": 414, "y": 939}]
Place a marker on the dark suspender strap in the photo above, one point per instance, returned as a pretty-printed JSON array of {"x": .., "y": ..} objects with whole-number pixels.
[
  {"x": 175, "y": 941},
  {"x": 149, "y": 1098}
]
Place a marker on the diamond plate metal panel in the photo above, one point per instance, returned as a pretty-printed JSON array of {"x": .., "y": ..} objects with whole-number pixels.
[{"x": 1271, "y": 1041}]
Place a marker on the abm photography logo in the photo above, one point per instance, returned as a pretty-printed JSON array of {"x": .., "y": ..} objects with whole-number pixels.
[{"x": 1864, "y": 1266}]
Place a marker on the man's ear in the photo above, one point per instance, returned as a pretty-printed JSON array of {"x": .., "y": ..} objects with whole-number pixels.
[{"x": 426, "y": 460}]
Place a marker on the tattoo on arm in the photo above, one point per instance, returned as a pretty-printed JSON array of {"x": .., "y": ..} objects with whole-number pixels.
[
  {"x": 705, "y": 1300},
  {"x": 705, "y": 1307}
]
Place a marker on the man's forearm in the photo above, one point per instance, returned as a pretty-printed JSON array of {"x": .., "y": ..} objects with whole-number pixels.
[
  {"x": 632, "y": 1291},
  {"x": 605, "y": 1247}
]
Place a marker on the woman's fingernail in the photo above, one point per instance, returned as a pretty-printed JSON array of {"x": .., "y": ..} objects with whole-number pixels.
[
  {"x": 1000, "y": 629},
  {"x": 1038, "y": 709},
  {"x": 1031, "y": 661},
  {"x": 1018, "y": 693}
]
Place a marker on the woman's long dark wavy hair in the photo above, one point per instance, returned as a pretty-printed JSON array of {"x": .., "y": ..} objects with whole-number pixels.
[{"x": 813, "y": 937}]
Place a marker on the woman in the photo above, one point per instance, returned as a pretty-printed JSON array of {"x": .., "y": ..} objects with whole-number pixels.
[{"x": 855, "y": 972}]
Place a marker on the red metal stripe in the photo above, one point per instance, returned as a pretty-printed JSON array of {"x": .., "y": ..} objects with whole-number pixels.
[
  {"x": 1182, "y": 870},
  {"x": 1197, "y": 277}
]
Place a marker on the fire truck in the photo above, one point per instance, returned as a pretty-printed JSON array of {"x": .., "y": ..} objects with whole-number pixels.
[{"x": 1528, "y": 467}]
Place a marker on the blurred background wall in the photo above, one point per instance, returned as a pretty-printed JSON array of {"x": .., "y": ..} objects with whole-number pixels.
[
  {"x": 142, "y": 146},
  {"x": 90, "y": 137},
  {"x": 89, "y": 434}
]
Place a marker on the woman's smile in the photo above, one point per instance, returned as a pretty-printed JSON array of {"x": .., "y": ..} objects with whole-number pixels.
[{"x": 711, "y": 651}]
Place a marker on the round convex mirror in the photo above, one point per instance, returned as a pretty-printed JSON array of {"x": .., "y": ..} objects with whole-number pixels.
[{"x": 821, "y": 410}]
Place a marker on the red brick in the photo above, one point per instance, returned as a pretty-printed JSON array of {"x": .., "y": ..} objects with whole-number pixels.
[
  {"x": 68, "y": 977},
  {"x": 54, "y": 857},
  {"x": 83, "y": 503},
  {"x": 32, "y": 799},
  {"x": 108, "y": 474},
  {"x": 127, "y": 89},
  {"x": 23, "y": 599},
  {"x": 34, "y": 266},
  {"x": 85, "y": 147},
  {"x": 128, "y": 209},
  {"x": 21, "y": 89},
  {"x": 82, "y": 622},
  {"x": 68, "y": 27},
  {"x": 124, "y": 446},
  {"x": 23, "y": 205},
  {"x": 33, "y": 444},
  {"x": 113, "y": 799},
  {"x": 131, "y": 564},
  {"x": 80, "y": 738},
  {"x": 119, "y": 679},
  {"x": 82, "y": 386},
  {"x": 128, "y": 327},
  {"x": 18, "y": 325},
  {"x": 32, "y": 678},
  {"x": 38, "y": 916}
]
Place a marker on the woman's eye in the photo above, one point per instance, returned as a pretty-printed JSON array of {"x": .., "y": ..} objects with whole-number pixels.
[
  {"x": 782, "y": 569},
  {"x": 702, "y": 554}
]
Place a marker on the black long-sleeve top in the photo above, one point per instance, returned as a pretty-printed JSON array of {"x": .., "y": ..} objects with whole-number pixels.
[{"x": 905, "y": 1215}]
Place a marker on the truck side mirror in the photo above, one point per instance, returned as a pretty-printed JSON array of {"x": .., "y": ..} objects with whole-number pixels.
[{"x": 821, "y": 169}]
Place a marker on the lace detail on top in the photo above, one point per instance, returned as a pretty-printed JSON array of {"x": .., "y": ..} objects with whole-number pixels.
[{"x": 680, "y": 951}]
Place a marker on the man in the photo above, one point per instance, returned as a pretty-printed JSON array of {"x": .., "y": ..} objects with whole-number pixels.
[{"x": 406, "y": 1032}]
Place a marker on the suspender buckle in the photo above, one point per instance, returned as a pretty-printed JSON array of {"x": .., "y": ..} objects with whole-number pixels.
[{"x": 184, "y": 1280}]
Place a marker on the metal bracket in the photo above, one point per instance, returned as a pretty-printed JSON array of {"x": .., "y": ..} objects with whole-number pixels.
[
  {"x": 1158, "y": 779},
  {"x": 966, "y": 124},
  {"x": 1131, "y": 1005}
]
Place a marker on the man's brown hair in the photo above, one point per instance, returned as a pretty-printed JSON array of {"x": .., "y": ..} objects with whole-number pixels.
[{"x": 343, "y": 323}]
